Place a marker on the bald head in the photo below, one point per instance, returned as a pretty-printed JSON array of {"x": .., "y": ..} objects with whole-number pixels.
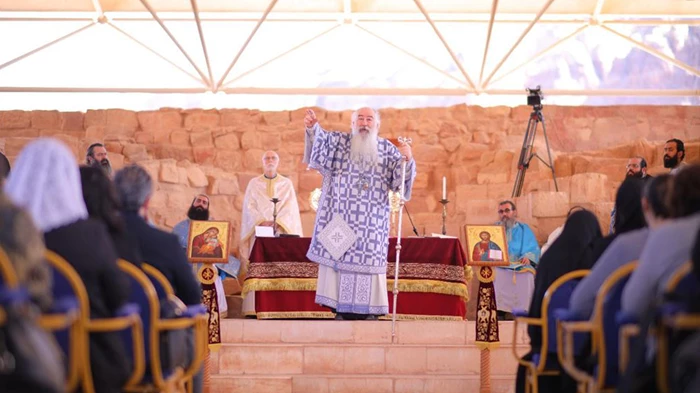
[{"x": 270, "y": 161}]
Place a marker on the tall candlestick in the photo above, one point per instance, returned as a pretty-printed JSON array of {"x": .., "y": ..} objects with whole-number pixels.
[{"x": 444, "y": 187}]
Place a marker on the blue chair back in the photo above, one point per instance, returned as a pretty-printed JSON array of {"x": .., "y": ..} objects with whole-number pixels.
[
  {"x": 141, "y": 293},
  {"x": 62, "y": 288},
  {"x": 557, "y": 297},
  {"x": 159, "y": 281},
  {"x": 687, "y": 285},
  {"x": 560, "y": 299},
  {"x": 611, "y": 331}
]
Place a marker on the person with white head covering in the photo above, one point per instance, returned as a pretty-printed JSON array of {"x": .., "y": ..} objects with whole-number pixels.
[{"x": 45, "y": 181}]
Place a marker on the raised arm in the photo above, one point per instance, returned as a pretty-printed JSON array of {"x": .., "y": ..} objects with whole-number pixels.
[{"x": 321, "y": 147}]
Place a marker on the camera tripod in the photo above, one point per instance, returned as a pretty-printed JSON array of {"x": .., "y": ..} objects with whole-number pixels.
[{"x": 526, "y": 153}]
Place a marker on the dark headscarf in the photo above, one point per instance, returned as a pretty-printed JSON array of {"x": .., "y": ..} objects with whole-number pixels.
[
  {"x": 4, "y": 167},
  {"x": 572, "y": 250},
  {"x": 628, "y": 213},
  {"x": 695, "y": 256}
]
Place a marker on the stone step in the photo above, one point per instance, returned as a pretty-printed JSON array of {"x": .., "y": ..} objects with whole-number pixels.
[
  {"x": 366, "y": 383},
  {"x": 296, "y": 359},
  {"x": 359, "y": 332}
]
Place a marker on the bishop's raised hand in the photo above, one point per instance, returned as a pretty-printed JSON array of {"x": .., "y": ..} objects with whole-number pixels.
[{"x": 310, "y": 119}]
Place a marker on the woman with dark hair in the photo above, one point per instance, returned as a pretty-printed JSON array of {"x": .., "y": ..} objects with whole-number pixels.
[
  {"x": 571, "y": 251},
  {"x": 102, "y": 204},
  {"x": 628, "y": 214}
]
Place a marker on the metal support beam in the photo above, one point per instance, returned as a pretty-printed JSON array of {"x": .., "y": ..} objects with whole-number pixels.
[
  {"x": 494, "y": 6},
  {"x": 148, "y": 48},
  {"x": 340, "y": 91},
  {"x": 42, "y": 47},
  {"x": 285, "y": 53},
  {"x": 437, "y": 32},
  {"x": 641, "y": 20},
  {"x": 522, "y": 36},
  {"x": 245, "y": 44},
  {"x": 685, "y": 67},
  {"x": 606, "y": 92},
  {"x": 447, "y": 74},
  {"x": 172, "y": 37},
  {"x": 598, "y": 8},
  {"x": 195, "y": 11},
  {"x": 347, "y": 10},
  {"x": 540, "y": 53},
  {"x": 98, "y": 9}
]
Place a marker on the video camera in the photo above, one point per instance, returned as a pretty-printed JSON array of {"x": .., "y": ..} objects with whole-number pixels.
[{"x": 534, "y": 97}]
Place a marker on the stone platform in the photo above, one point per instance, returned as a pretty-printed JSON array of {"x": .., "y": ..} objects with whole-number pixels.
[{"x": 357, "y": 356}]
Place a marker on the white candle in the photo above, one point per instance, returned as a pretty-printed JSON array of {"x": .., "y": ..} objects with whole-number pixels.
[{"x": 444, "y": 187}]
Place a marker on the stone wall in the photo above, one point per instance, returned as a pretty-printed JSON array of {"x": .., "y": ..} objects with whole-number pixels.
[{"x": 218, "y": 152}]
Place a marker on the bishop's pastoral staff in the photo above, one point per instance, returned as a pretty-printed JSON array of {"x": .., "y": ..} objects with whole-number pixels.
[{"x": 351, "y": 235}]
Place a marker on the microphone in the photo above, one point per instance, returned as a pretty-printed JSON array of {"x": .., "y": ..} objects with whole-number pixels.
[{"x": 411, "y": 220}]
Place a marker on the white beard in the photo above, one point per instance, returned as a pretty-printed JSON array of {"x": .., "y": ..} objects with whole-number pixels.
[{"x": 364, "y": 148}]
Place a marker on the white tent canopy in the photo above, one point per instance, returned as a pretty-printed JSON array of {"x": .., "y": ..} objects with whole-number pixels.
[{"x": 283, "y": 54}]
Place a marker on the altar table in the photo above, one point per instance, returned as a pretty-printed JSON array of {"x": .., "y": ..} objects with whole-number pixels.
[{"x": 433, "y": 279}]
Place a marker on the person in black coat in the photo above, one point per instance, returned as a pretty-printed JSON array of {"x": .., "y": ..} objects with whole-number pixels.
[
  {"x": 629, "y": 215},
  {"x": 158, "y": 248},
  {"x": 102, "y": 204},
  {"x": 46, "y": 183},
  {"x": 572, "y": 250}
]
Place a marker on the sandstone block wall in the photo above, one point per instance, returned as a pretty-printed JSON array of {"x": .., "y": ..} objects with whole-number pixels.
[{"x": 218, "y": 151}]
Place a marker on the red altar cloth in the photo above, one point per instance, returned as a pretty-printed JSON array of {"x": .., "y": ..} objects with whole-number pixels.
[{"x": 432, "y": 281}]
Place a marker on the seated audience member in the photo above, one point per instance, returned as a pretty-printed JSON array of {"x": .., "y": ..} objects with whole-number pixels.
[
  {"x": 514, "y": 283},
  {"x": 46, "y": 182},
  {"x": 685, "y": 362},
  {"x": 24, "y": 246},
  {"x": 667, "y": 247},
  {"x": 626, "y": 247},
  {"x": 102, "y": 204},
  {"x": 571, "y": 251},
  {"x": 158, "y": 248},
  {"x": 696, "y": 257},
  {"x": 4, "y": 169},
  {"x": 628, "y": 213},
  {"x": 557, "y": 231}
]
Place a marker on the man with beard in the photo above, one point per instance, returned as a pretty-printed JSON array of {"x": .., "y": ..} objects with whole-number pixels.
[
  {"x": 258, "y": 208},
  {"x": 351, "y": 234},
  {"x": 674, "y": 153},
  {"x": 514, "y": 283},
  {"x": 97, "y": 156},
  {"x": 199, "y": 211},
  {"x": 636, "y": 167}
]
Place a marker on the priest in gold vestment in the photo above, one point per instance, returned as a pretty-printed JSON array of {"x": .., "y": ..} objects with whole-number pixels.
[{"x": 258, "y": 209}]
